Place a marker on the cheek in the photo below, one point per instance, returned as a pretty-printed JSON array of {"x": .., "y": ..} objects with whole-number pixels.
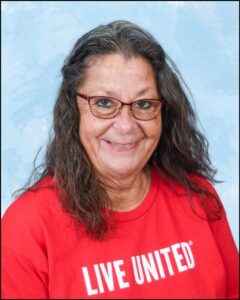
[
  {"x": 90, "y": 129},
  {"x": 153, "y": 131},
  {"x": 86, "y": 130},
  {"x": 84, "y": 134}
]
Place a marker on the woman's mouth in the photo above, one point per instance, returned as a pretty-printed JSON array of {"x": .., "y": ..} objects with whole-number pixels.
[{"x": 120, "y": 146}]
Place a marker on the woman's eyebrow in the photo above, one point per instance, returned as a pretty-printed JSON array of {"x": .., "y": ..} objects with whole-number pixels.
[
  {"x": 143, "y": 91},
  {"x": 113, "y": 94}
]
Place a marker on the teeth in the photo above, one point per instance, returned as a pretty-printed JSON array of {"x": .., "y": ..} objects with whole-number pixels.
[{"x": 123, "y": 146}]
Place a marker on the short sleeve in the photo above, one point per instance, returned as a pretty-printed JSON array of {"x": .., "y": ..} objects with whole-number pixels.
[
  {"x": 24, "y": 259},
  {"x": 227, "y": 247},
  {"x": 20, "y": 278},
  {"x": 229, "y": 253}
]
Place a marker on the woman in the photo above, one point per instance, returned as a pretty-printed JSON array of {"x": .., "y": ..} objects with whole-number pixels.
[{"x": 124, "y": 207}]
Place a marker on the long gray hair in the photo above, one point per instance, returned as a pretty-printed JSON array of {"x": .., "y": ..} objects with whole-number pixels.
[{"x": 182, "y": 149}]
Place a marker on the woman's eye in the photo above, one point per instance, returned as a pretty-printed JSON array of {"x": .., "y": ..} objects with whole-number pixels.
[
  {"x": 104, "y": 102},
  {"x": 143, "y": 104}
]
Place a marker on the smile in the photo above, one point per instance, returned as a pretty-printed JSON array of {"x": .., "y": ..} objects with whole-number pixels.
[{"x": 120, "y": 146}]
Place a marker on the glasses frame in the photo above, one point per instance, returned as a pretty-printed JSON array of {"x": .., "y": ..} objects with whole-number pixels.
[{"x": 88, "y": 99}]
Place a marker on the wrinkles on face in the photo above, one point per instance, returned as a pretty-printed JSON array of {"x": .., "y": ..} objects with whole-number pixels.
[{"x": 119, "y": 147}]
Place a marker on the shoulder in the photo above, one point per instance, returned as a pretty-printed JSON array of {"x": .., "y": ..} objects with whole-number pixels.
[
  {"x": 176, "y": 186},
  {"x": 27, "y": 218},
  {"x": 200, "y": 203},
  {"x": 203, "y": 182},
  {"x": 34, "y": 200}
]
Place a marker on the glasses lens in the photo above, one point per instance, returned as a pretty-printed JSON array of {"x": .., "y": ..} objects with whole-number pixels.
[
  {"x": 146, "y": 109},
  {"x": 104, "y": 107}
]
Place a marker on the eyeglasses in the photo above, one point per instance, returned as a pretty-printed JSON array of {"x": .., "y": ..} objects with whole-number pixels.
[{"x": 105, "y": 107}]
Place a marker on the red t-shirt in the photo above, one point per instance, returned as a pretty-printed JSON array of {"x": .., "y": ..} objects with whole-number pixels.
[{"x": 161, "y": 249}]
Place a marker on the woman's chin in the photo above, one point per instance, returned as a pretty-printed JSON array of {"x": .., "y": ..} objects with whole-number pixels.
[{"x": 120, "y": 171}]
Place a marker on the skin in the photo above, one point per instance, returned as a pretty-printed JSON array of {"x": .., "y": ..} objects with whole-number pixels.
[{"x": 119, "y": 148}]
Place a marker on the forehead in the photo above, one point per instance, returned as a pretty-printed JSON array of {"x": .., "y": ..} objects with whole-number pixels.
[{"x": 118, "y": 73}]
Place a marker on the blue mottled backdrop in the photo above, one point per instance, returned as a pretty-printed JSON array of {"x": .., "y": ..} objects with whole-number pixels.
[{"x": 201, "y": 37}]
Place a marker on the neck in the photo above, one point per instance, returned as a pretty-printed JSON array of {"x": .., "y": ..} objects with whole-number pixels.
[{"x": 128, "y": 193}]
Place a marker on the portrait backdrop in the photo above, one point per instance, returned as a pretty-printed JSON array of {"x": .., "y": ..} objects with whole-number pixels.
[{"x": 200, "y": 37}]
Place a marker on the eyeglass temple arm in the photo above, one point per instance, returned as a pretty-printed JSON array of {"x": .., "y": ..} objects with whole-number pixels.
[{"x": 83, "y": 96}]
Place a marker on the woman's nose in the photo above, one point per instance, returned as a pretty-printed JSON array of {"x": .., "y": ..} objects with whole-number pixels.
[{"x": 125, "y": 120}]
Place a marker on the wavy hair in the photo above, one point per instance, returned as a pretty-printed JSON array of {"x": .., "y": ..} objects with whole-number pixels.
[{"x": 181, "y": 151}]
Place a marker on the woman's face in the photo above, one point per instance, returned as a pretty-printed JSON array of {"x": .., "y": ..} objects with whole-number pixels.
[{"x": 120, "y": 146}]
